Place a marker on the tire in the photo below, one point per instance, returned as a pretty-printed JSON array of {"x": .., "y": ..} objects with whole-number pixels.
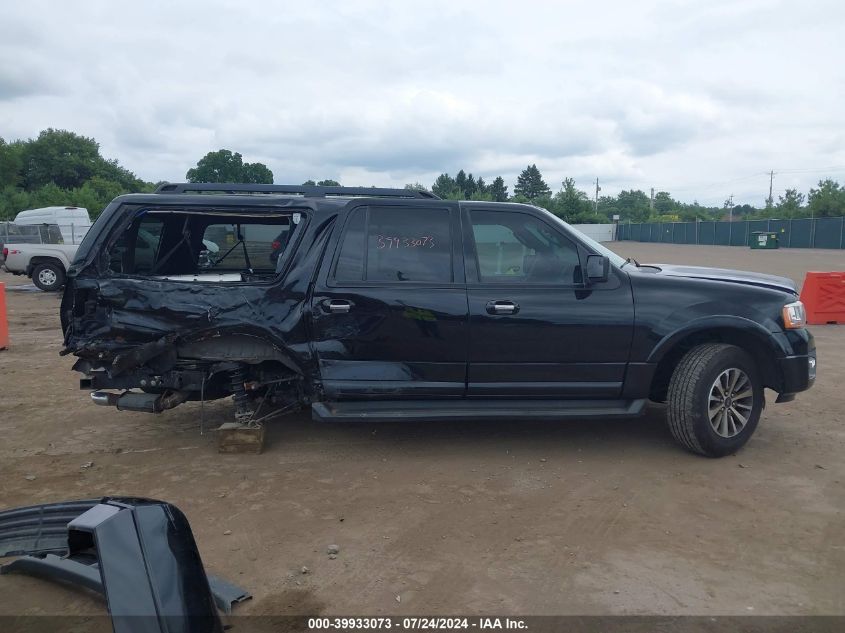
[
  {"x": 48, "y": 277},
  {"x": 705, "y": 411}
]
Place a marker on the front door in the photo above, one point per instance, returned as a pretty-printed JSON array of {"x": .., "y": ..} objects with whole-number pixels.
[
  {"x": 389, "y": 307},
  {"x": 536, "y": 329}
]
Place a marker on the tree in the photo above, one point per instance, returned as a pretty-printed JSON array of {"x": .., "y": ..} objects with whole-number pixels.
[
  {"x": 481, "y": 186},
  {"x": 633, "y": 205},
  {"x": 790, "y": 203},
  {"x": 461, "y": 181},
  {"x": 110, "y": 170},
  {"x": 328, "y": 182},
  {"x": 663, "y": 203},
  {"x": 60, "y": 157},
  {"x": 415, "y": 186},
  {"x": 570, "y": 202},
  {"x": 827, "y": 201},
  {"x": 694, "y": 211},
  {"x": 60, "y": 168},
  {"x": 257, "y": 174},
  {"x": 445, "y": 187},
  {"x": 471, "y": 187},
  {"x": 227, "y": 166},
  {"x": 498, "y": 190},
  {"x": 530, "y": 184},
  {"x": 309, "y": 183},
  {"x": 11, "y": 163}
]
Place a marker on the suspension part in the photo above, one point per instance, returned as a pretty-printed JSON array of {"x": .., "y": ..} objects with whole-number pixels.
[{"x": 237, "y": 379}]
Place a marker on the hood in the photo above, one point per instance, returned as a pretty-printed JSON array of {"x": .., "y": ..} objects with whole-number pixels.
[{"x": 722, "y": 274}]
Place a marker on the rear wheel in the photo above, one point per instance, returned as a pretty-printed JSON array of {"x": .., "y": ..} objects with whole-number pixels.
[
  {"x": 715, "y": 399},
  {"x": 48, "y": 277}
]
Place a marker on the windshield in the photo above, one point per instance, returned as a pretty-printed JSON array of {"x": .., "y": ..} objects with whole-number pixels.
[{"x": 599, "y": 248}]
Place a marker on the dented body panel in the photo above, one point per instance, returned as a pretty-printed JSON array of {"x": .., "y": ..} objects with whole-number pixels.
[{"x": 135, "y": 331}]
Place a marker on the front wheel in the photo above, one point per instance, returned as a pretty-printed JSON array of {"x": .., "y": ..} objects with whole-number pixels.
[
  {"x": 715, "y": 399},
  {"x": 48, "y": 277}
]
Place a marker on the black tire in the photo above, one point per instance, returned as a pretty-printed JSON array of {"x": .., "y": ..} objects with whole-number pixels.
[
  {"x": 48, "y": 277},
  {"x": 690, "y": 400}
]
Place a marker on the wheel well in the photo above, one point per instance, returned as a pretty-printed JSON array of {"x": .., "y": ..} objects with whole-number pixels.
[
  {"x": 41, "y": 259},
  {"x": 763, "y": 357}
]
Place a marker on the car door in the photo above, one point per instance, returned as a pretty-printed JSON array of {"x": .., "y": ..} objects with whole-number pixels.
[
  {"x": 536, "y": 329},
  {"x": 389, "y": 308}
]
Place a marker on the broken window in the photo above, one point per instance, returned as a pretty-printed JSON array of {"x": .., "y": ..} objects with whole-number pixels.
[{"x": 191, "y": 245}]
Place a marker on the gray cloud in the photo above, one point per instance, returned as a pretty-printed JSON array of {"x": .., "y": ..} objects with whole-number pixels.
[{"x": 685, "y": 96}]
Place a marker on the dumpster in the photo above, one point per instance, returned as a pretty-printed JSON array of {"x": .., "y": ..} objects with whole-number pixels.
[{"x": 764, "y": 239}]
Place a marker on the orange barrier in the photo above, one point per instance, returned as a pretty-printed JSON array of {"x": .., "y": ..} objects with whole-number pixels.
[
  {"x": 823, "y": 296},
  {"x": 4, "y": 321}
]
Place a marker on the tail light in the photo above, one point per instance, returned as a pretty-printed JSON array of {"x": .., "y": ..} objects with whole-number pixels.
[
  {"x": 276, "y": 245},
  {"x": 5, "y": 253}
]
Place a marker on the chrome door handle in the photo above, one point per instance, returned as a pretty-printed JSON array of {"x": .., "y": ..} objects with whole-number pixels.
[
  {"x": 338, "y": 306},
  {"x": 502, "y": 307}
]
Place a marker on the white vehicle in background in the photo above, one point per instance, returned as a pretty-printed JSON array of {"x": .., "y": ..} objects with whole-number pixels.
[
  {"x": 46, "y": 264},
  {"x": 73, "y": 222}
]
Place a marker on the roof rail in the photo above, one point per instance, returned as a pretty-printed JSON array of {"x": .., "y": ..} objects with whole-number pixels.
[{"x": 313, "y": 191}]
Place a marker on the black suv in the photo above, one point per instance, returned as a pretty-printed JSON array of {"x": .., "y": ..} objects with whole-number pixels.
[{"x": 388, "y": 304}]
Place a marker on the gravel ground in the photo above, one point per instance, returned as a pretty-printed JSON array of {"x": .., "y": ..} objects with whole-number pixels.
[{"x": 476, "y": 518}]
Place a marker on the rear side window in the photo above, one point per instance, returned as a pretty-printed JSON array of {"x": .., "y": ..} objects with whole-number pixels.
[
  {"x": 136, "y": 252},
  {"x": 392, "y": 244},
  {"x": 204, "y": 246},
  {"x": 242, "y": 246},
  {"x": 147, "y": 242}
]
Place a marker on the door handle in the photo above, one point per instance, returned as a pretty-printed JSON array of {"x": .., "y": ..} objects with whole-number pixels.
[
  {"x": 502, "y": 307},
  {"x": 337, "y": 306}
]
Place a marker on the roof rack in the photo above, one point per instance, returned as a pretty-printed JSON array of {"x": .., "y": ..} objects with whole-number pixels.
[{"x": 311, "y": 191}]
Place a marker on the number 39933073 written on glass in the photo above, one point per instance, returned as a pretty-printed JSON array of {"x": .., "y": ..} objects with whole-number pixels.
[{"x": 400, "y": 241}]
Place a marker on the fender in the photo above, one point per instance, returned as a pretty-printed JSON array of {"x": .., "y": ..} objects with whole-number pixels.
[{"x": 742, "y": 325}]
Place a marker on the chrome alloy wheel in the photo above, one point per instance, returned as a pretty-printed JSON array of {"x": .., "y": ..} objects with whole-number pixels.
[
  {"x": 47, "y": 277},
  {"x": 731, "y": 402}
]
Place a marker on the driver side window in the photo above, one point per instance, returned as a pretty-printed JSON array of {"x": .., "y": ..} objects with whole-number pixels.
[{"x": 514, "y": 247}]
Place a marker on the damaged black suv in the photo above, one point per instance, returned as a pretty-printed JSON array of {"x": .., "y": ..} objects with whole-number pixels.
[{"x": 372, "y": 304}]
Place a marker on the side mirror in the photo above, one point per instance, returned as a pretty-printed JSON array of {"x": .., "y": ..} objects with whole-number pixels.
[{"x": 598, "y": 268}]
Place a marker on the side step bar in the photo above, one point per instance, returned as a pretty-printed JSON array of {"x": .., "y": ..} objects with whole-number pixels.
[{"x": 432, "y": 410}]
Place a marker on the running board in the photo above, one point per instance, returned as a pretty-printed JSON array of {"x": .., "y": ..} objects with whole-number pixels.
[{"x": 431, "y": 410}]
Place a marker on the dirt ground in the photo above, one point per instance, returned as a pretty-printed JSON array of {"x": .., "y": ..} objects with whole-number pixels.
[{"x": 473, "y": 518}]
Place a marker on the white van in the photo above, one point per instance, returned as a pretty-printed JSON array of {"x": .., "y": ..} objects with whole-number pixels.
[{"x": 73, "y": 222}]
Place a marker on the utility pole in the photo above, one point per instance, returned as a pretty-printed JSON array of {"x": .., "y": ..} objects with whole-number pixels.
[
  {"x": 651, "y": 201},
  {"x": 730, "y": 203},
  {"x": 596, "y": 205},
  {"x": 770, "y": 201}
]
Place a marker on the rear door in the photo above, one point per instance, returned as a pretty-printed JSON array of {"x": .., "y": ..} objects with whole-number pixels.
[
  {"x": 390, "y": 317},
  {"x": 536, "y": 329}
]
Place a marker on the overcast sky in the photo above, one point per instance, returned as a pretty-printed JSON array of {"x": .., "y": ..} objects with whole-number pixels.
[{"x": 700, "y": 98}]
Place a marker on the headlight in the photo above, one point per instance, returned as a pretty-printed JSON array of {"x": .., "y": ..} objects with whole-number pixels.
[{"x": 794, "y": 315}]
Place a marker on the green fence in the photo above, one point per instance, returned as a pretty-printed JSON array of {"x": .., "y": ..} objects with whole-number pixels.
[{"x": 803, "y": 233}]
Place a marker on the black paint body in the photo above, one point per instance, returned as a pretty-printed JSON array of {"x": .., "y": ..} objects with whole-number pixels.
[{"x": 612, "y": 340}]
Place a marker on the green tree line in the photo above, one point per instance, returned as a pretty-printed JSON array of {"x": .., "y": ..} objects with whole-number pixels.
[
  {"x": 60, "y": 168},
  {"x": 634, "y": 205},
  {"x": 63, "y": 168}
]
